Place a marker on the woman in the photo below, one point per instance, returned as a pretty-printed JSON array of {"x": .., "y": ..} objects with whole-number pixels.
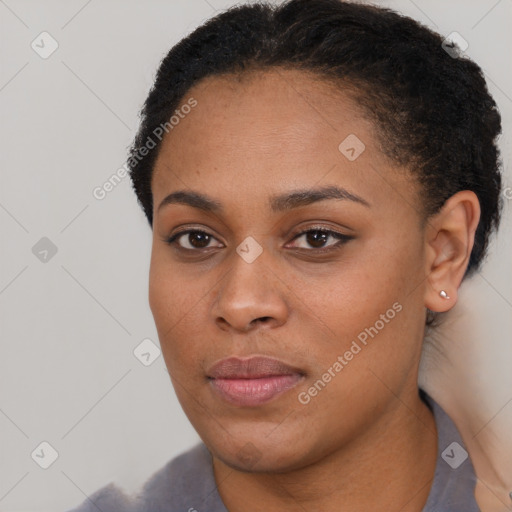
[{"x": 319, "y": 178}]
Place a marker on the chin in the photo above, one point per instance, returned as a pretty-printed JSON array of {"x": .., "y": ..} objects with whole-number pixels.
[
  {"x": 251, "y": 460},
  {"x": 258, "y": 453}
]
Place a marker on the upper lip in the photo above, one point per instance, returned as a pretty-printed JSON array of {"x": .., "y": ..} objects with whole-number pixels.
[{"x": 250, "y": 368}]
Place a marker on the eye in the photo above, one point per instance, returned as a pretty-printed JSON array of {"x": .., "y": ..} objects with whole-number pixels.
[
  {"x": 195, "y": 239},
  {"x": 318, "y": 238}
]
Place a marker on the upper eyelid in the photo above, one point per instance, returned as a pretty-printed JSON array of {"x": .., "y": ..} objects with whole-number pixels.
[{"x": 325, "y": 229}]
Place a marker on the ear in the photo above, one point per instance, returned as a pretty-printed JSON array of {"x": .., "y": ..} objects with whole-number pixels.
[{"x": 449, "y": 238}]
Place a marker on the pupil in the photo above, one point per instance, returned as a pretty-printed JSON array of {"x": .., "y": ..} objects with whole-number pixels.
[
  {"x": 202, "y": 237},
  {"x": 316, "y": 238}
]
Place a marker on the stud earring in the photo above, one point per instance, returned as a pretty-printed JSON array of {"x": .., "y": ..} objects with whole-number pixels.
[{"x": 444, "y": 294}]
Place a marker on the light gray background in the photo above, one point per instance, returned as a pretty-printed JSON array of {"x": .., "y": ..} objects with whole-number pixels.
[{"x": 69, "y": 326}]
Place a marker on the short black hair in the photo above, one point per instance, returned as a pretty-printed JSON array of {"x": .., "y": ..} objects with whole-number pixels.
[{"x": 432, "y": 109}]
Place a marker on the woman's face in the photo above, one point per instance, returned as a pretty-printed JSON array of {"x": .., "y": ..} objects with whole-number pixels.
[{"x": 257, "y": 162}]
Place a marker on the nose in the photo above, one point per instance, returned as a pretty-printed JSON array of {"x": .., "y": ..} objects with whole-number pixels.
[{"x": 250, "y": 295}]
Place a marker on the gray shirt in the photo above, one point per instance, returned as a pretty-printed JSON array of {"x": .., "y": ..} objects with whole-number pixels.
[{"x": 186, "y": 483}]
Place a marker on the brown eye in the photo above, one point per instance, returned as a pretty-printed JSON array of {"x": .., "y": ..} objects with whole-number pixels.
[
  {"x": 194, "y": 239},
  {"x": 318, "y": 238},
  {"x": 198, "y": 239}
]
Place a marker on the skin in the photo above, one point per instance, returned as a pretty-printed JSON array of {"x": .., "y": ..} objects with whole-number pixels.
[{"x": 366, "y": 440}]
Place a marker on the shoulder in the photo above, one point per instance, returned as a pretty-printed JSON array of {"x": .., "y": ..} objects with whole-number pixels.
[
  {"x": 182, "y": 480},
  {"x": 453, "y": 488},
  {"x": 186, "y": 483},
  {"x": 107, "y": 499}
]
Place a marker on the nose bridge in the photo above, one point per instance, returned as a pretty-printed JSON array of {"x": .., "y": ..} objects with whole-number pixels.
[{"x": 249, "y": 290}]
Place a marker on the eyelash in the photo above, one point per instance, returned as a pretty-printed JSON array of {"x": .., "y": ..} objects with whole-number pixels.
[{"x": 342, "y": 239}]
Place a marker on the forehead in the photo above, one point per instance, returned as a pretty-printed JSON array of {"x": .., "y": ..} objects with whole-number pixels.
[
  {"x": 270, "y": 130},
  {"x": 287, "y": 100}
]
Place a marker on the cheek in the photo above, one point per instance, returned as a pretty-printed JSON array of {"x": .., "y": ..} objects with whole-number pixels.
[
  {"x": 176, "y": 302},
  {"x": 373, "y": 309},
  {"x": 353, "y": 298}
]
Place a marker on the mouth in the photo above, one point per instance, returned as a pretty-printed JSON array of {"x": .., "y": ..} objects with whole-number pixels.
[{"x": 253, "y": 381}]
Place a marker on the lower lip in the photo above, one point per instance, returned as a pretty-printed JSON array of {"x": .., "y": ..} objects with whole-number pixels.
[{"x": 253, "y": 392}]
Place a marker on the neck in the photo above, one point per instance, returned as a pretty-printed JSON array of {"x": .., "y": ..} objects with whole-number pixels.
[{"x": 388, "y": 467}]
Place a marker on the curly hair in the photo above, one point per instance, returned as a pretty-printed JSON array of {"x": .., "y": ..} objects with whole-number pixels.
[{"x": 432, "y": 109}]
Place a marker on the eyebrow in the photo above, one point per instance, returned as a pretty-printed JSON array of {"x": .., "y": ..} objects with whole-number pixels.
[
  {"x": 194, "y": 199},
  {"x": 309, "y": 196},
  {"x": 278, "y": 203}
]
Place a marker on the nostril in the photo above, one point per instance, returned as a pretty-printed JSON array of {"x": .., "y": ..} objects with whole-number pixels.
[{"x": 262, "y": 319}]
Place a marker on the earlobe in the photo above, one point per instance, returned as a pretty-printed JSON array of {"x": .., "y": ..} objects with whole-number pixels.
[
  {"x": 449, "y": 239},
  {"x": 440, "y": 300}
]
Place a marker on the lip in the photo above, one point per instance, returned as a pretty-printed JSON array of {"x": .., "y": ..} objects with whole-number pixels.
[{"x": 252, "y": 381}]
